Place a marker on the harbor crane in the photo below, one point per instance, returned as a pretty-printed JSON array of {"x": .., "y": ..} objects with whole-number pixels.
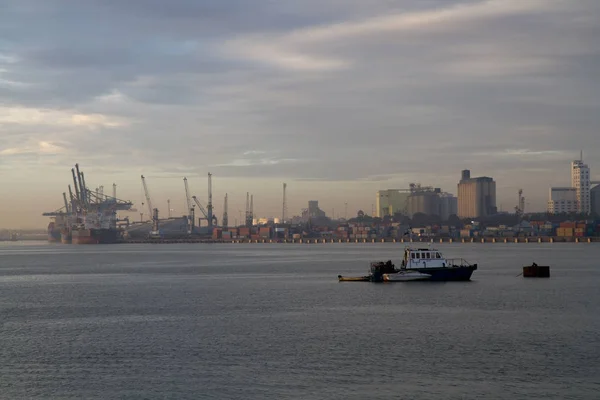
[
  {"x": 148, "y": 201},
  {"x": 190, "y": 210},
  {"x": 212, "y": 221},
  {"x": 225, "y": 220},
  {"x": 209, "y": 216}
]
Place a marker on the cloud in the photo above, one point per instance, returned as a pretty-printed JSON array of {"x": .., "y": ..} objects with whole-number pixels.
[
  {"x": 371, "y": 94},
  {"x": 40, "y": 148},
  {"x": 48, "y": 117},
  {"x": 287, "y": 51}
]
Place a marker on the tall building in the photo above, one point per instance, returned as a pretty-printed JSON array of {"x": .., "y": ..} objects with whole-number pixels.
[
  {"x": 562, "y": 200},
  {"x": 580, "y": 180},
  {"x": 391, "y": 201},
  {"x": 476, "y": 196},
  {"x": 595, "y": 199}
]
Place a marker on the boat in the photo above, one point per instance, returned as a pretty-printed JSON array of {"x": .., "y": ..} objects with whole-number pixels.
[
  {"x": 431, "y": 262},
  {"x": 418, "y": 264},
  {"x": 405, "y": 276}
]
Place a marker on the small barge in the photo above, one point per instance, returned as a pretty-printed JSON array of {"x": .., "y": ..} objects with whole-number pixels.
[
  {"x": 418, "y": 265},
  {"x": 536, "y": 271}
]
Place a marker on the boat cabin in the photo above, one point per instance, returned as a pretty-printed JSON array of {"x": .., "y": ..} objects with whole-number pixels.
[{"x": 423, "y": 258}]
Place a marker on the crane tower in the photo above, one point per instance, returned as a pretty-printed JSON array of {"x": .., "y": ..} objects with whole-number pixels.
[
  {"x": 209, "y": 207},
  {"x": 225, "y": 216},
  {"x": 284, "y": 208}
]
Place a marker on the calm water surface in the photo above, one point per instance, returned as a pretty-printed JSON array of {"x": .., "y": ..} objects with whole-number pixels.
[{"x": 272, "y": 322}]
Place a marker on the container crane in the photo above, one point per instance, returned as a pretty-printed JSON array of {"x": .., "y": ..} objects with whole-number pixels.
[{"x": 148, "y": 201}]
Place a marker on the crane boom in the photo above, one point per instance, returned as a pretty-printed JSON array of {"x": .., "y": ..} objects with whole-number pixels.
[
  {"x": 77, "y": 196},
  {"x": 148, "y": 201},
  {"x": 202, "y": 210},
  {"x": 187, "y": 195},
  {"x": 66, "y": 202}
]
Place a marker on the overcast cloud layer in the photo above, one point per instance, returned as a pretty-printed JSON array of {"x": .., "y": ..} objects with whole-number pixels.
[{"x": 368, "y": 94}]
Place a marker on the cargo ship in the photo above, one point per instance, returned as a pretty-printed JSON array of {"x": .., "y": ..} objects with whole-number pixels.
[{"x": 88, "y": 216}]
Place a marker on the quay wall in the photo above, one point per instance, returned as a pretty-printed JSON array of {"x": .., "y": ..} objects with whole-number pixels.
[{"x": 556, "y": 239}]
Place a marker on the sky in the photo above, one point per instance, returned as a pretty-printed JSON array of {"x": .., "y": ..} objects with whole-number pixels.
[{"x": 337, "y": 98}]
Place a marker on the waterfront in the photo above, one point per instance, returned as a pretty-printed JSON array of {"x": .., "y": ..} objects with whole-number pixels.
[{"x": 258, "y": 322}]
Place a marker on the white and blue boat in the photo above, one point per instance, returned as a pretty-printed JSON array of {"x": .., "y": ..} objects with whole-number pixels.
[{"x": 418, "y": 264}]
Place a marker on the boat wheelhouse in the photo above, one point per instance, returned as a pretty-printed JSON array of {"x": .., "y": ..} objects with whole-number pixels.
[{"x": 423, "y": 258}]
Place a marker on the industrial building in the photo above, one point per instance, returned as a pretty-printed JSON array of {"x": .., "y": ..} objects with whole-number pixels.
[
  {"x": 417, "y": 199},
  {"x": 448, "y": 205},
  {"x": 423, "y": 200},
  {"x": 391, "y": 201},
  {"x": 476, "y": 196},
  {"x": 313, "y": 211}
]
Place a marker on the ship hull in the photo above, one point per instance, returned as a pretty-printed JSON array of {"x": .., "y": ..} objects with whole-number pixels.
[
  {"x": 53, "y": 234},
  {"x": 65, "y": 237},
  {"x": 94, "y": 236}
]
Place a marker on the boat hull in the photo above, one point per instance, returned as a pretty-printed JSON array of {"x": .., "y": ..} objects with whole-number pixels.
[
  {"x": 65, "y": 237},
  {"x": 53, "y": 233},
  {"x": 406, "y": 277},
  {"x": 460, "y": 273},
  {"x": 353, "y": 278}
]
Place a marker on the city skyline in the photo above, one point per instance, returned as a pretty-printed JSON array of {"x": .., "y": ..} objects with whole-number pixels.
[{"x": 338, "y": 99}]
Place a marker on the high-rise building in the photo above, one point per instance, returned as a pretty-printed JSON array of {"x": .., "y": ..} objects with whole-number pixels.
[
  {"x": 476, "y": 196},
  {"x": 391, "y": 201},
  {"x": 562, "y": 200},
  {"x": 580, "y": 180}
]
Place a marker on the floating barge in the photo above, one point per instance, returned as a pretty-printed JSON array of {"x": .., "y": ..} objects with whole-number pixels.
[{"x": 536, "y": 271}]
